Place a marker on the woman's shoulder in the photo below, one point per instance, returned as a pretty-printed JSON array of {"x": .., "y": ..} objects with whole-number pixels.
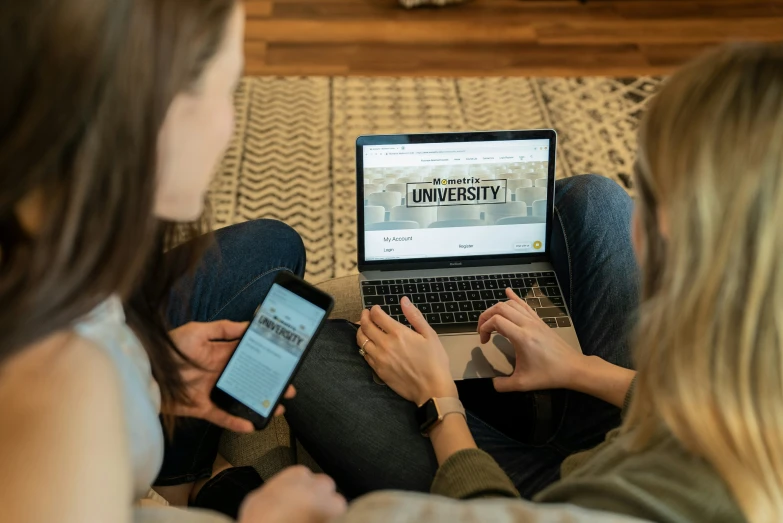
[
  {"x": 58, "y": 356},
  {"x": 62, "y": 367},
  {"x": 63, "y": 431},
  {"x": 662, "y": 480}
]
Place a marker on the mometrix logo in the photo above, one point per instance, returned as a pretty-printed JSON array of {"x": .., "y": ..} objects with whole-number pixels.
[
  {"x": 458, "y": 181},
  {"x": 455, "y": 191}
]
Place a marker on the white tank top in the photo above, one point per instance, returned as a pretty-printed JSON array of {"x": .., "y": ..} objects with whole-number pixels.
[{"x": 105, "y": 326}]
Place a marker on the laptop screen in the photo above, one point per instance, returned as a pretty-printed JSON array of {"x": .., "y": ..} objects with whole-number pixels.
[{"x": 455, "y": 199}]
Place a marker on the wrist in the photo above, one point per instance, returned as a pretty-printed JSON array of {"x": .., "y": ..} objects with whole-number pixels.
[
  {"x": 581, "y": 372},
  {"x": 603, "y": 380},
  {"x": 450, "y": 422},
  {"x": 444, "y": 389}
]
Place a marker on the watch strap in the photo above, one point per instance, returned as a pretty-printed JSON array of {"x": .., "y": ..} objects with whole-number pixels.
[{"x": 449, "y": 406}]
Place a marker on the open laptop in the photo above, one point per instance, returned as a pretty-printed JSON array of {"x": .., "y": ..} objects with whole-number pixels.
[{"x": 451, "y": 220}]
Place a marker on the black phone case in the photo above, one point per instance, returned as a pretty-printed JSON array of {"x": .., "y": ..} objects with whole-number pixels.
[{"x": 237, "y": 408}]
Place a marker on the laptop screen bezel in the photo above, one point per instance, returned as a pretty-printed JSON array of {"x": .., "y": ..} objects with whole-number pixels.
[{"x": 452, "y": 261}]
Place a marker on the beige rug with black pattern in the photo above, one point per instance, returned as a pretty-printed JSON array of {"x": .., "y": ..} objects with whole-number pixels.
[{"x": 293, "y": 157}]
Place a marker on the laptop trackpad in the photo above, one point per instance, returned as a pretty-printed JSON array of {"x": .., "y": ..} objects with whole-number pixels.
[{"x": 470, "y": 359}]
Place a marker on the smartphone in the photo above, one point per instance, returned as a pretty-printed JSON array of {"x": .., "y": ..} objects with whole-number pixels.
[{"x": 270, "y": 352}]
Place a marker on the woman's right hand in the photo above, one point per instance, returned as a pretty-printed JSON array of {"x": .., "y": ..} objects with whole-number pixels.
[
  {"x": 295, "y": 495},
  {"x": 544, "y": 359}
]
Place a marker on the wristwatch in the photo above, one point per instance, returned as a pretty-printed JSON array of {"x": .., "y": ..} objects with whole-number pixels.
[{"x": 434, "y": 410}]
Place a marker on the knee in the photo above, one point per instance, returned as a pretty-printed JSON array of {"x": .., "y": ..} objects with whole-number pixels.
[
  {"x": 598, "y": 186},
  {"x": 284, "y": 233},
  {"x": 278, "y": 236},
  {"x": 591, "y": 191},
  {"x": 278, "y": 232}
]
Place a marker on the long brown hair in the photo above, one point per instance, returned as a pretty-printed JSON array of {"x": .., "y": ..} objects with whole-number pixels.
[
  {"x": 710, "y": 340},
  {"x": 86, "y": 86}
]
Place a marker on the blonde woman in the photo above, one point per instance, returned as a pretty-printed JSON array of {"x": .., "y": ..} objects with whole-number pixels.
[{"x": 702, "y": 438}]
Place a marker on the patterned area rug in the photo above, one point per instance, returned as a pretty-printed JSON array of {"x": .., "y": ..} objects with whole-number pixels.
[{"x": 293, "y": 155}]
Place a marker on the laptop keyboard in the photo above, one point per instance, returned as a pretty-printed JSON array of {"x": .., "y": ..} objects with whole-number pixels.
[{"x": 454, "y": 303}]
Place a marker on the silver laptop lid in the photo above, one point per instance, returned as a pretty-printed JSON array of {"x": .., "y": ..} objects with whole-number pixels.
[{"x": 454, "y": 199}]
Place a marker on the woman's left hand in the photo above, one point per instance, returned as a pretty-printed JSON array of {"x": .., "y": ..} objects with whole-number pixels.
[
  {"x": 210, "y": 345},
  {"x": 412, "y": 362}
]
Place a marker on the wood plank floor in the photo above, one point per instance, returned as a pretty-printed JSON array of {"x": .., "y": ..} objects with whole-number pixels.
[{"x": 496, "y": 37}]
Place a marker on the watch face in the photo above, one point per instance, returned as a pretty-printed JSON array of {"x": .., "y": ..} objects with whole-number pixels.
[{"x": 427, "y": 416}]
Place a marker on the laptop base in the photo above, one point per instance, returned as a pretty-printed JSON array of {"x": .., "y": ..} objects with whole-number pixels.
[{"x": 470, "y": 359}]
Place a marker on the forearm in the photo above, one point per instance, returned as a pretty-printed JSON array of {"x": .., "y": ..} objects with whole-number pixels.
[
  {"x": 450, "y": 436},
  {"x": 603, "y": 380},
  {"x": 465, "y": 472}
]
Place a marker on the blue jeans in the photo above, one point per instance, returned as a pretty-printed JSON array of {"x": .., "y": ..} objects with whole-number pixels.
[
  {"x": 366, "y": 436},
  {"x": 232, "y": 278}
]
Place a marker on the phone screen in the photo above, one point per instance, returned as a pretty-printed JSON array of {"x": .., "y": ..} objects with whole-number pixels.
[{"x": 270, "y": 350}]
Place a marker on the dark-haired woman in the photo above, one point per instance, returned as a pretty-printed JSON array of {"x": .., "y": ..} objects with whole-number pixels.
[{"x": 113, "y": 114}]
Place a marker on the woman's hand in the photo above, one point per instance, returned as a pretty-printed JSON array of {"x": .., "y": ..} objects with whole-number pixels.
[
  {"x": 412, "y": 362},
  {"x": 295, "y": 495},
  {"x": 210, "y": 345},
  {"x": 544, "y": 360}
]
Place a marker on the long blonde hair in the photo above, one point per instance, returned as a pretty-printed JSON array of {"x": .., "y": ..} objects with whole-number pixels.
[{"x": 710, "y": 334}]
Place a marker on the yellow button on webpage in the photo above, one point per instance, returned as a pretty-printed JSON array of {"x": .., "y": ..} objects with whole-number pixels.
[{"x": 536, "y": 245}]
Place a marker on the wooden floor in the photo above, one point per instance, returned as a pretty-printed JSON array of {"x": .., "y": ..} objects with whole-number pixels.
[{"x": 496, "y": 37}]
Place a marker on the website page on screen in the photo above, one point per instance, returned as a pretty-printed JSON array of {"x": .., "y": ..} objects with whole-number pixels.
[
  {"x": 438, "y": 200},
  {"x": 269, "y": 352}
]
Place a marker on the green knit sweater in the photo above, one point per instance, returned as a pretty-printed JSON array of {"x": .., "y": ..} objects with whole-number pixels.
[{"x": 663, "y": 483}]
